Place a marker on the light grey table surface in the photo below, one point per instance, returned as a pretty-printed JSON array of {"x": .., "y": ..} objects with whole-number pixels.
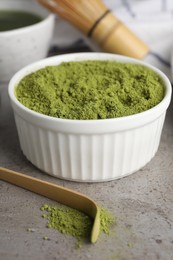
[{"x": 141, "y": 202}]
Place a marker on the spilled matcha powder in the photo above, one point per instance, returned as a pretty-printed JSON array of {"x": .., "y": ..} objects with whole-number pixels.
[
  {"x": 75, "y": 223},
  {"x": 91, "y": 90}
]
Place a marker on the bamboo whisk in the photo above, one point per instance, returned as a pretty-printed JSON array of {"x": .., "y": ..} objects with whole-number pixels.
[{"x": 94, "y": 19}]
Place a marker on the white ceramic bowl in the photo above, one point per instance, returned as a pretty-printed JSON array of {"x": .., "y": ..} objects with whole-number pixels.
[
  {"x": 88, "y": 150},
  {"x": 20, "y": 47}
]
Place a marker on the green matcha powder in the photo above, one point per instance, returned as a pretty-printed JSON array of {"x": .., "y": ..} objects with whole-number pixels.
[
  {"x": 91, "y": 90},
  {"x": 75, "y": 223}
]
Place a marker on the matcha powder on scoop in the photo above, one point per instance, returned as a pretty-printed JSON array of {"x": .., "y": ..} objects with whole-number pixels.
[
  {"x": 91, "y": 90},
  {"x": 75, "y": 223}
]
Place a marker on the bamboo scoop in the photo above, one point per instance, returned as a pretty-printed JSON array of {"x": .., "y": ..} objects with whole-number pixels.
[
  {"x": 94, "y": 19},
  {"x": 60, "y": 194}
]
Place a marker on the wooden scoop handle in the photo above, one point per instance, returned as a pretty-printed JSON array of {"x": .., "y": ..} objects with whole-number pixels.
[{"x": 55, "y": 192}]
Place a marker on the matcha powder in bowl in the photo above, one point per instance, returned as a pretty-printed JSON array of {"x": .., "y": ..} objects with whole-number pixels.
[
  {"x": 81, "y": 116},
  {"x": 91, "y": 90}
]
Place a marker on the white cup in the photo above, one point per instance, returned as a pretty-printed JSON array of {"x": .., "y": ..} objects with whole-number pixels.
[{"x": 22, "y": 46}]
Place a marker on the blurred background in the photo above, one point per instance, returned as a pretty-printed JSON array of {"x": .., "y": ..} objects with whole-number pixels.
[{"x": 151, "y": 20}]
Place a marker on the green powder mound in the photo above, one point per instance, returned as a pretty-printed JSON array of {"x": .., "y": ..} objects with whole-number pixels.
[
  {"x": 75, "y": 223},
  {"x": 91, "y": 90},
  {"x": 106, "y": 221}
]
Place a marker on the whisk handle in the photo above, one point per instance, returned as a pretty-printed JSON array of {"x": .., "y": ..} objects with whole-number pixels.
[{"x": 114, "y": 36}]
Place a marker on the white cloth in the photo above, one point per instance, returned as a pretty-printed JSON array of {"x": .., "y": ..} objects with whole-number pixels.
[{"x": 151, "y": 20}]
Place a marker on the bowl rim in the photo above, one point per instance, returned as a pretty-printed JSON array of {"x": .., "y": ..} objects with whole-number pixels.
[
  {"x": 152, "y": 112},
  {"x": 50, "y": 16}
]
